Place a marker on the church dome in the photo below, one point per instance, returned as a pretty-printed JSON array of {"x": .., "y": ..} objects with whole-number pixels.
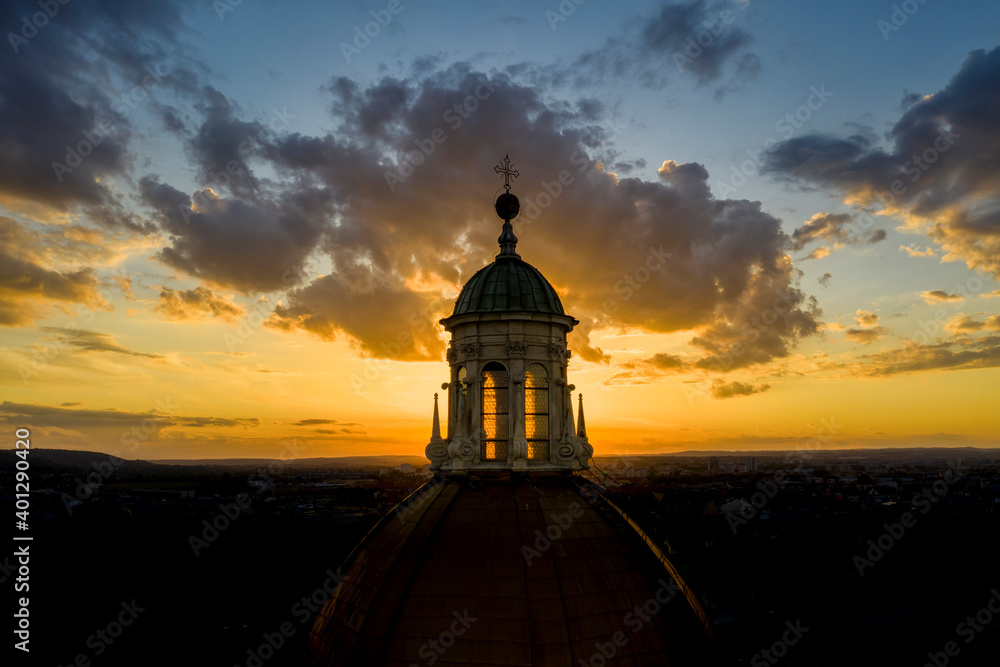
[
  {"x": 509, "y": 284},
  {"x": 508, "y": 569}
]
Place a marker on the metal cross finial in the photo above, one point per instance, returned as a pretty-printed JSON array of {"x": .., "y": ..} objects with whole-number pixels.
[{"x": 506, "y": 171}]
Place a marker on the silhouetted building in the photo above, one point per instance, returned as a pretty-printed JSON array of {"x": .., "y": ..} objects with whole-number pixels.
[{"x": 508, "y": 556}]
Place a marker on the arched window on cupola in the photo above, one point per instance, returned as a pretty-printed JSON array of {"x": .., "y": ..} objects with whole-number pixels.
[
  {"x": 496, "y": 429},
  {"x": 536, "y": 411}
]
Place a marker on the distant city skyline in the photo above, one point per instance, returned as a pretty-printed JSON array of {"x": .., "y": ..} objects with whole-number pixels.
[{"x": 230, "y": 230}]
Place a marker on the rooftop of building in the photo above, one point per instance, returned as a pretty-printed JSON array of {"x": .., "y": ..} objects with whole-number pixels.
[{"x": 541, "y": 561}]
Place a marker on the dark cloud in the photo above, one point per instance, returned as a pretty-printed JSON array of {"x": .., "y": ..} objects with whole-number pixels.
[
  {"x": 510, "y": 19},
  {"x": 45, "y": 415},
  {"x": 680, "y": 39},
  {"x": 664, "y": 361},
  {"x": 385, "y": 321},
  {"x": 94, "y": 341},
  {"x": 247, "y": 246},
  {"x": 697, "y": 37},
  {"x": 939, "y": 172},
  {"x": 224, "y": 144},
  {"x": 722, "y": 389},
  {"x": 28, "y": 289},
  {"x": 908, "y": 100},
  {"x": 320, "y": 422},
  {"x": 121, "y": 420},
  {"x": 748, "y": 69},
  {"x": 579, "y": 340},
  {"x": 340, "y": 431},
  {"x": 412, "y": 213},
  {"x": 824, "y": 279},
  {"x": 833, "y": 228},
  {"x": 76, "y": 84},
  {"x": 952, "y": 355},
  {"x": 865, "y": 336},
  {"x": 830, "y": 227},
  {"x": 644, "y": 371},
  {"x": 876, "y": 236},
  {"x": 201, "y": 422},
  {"x": 940, "y": 296},
  {"x": 393, "y": 198}
]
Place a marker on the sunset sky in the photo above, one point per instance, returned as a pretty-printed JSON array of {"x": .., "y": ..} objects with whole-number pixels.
[{"x": 221, "y": 231}]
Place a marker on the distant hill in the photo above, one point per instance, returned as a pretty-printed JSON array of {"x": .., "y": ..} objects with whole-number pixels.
[
  {"x": 68, "y": 460},
  {"x": 318, "y": 462},
  {"x": 896, "y": 452},
  {"x": 56, "y": 460},
  {"x": 71, "y": 460}
]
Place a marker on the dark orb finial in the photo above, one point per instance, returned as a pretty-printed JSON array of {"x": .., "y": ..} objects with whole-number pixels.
[{"x": 507, "y": 206}]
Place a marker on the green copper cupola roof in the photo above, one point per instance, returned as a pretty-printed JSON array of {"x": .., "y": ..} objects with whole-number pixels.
[{"x": 509, "y": 284}]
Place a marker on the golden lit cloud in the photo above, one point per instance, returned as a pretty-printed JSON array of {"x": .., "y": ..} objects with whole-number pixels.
[
  {"x": 913, "y": 251},
  {"x": 962, "y": 323},
  {"x": 865, "y": 318},
  {"x": 195, "y": 304},
  {"x": 818, "y": 253},
  {"x": 940, "y": 296}
]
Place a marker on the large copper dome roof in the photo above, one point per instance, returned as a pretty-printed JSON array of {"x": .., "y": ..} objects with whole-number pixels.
[
  {"x": 545, "y": 567},
  {"x": 509, "y": 284}
]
